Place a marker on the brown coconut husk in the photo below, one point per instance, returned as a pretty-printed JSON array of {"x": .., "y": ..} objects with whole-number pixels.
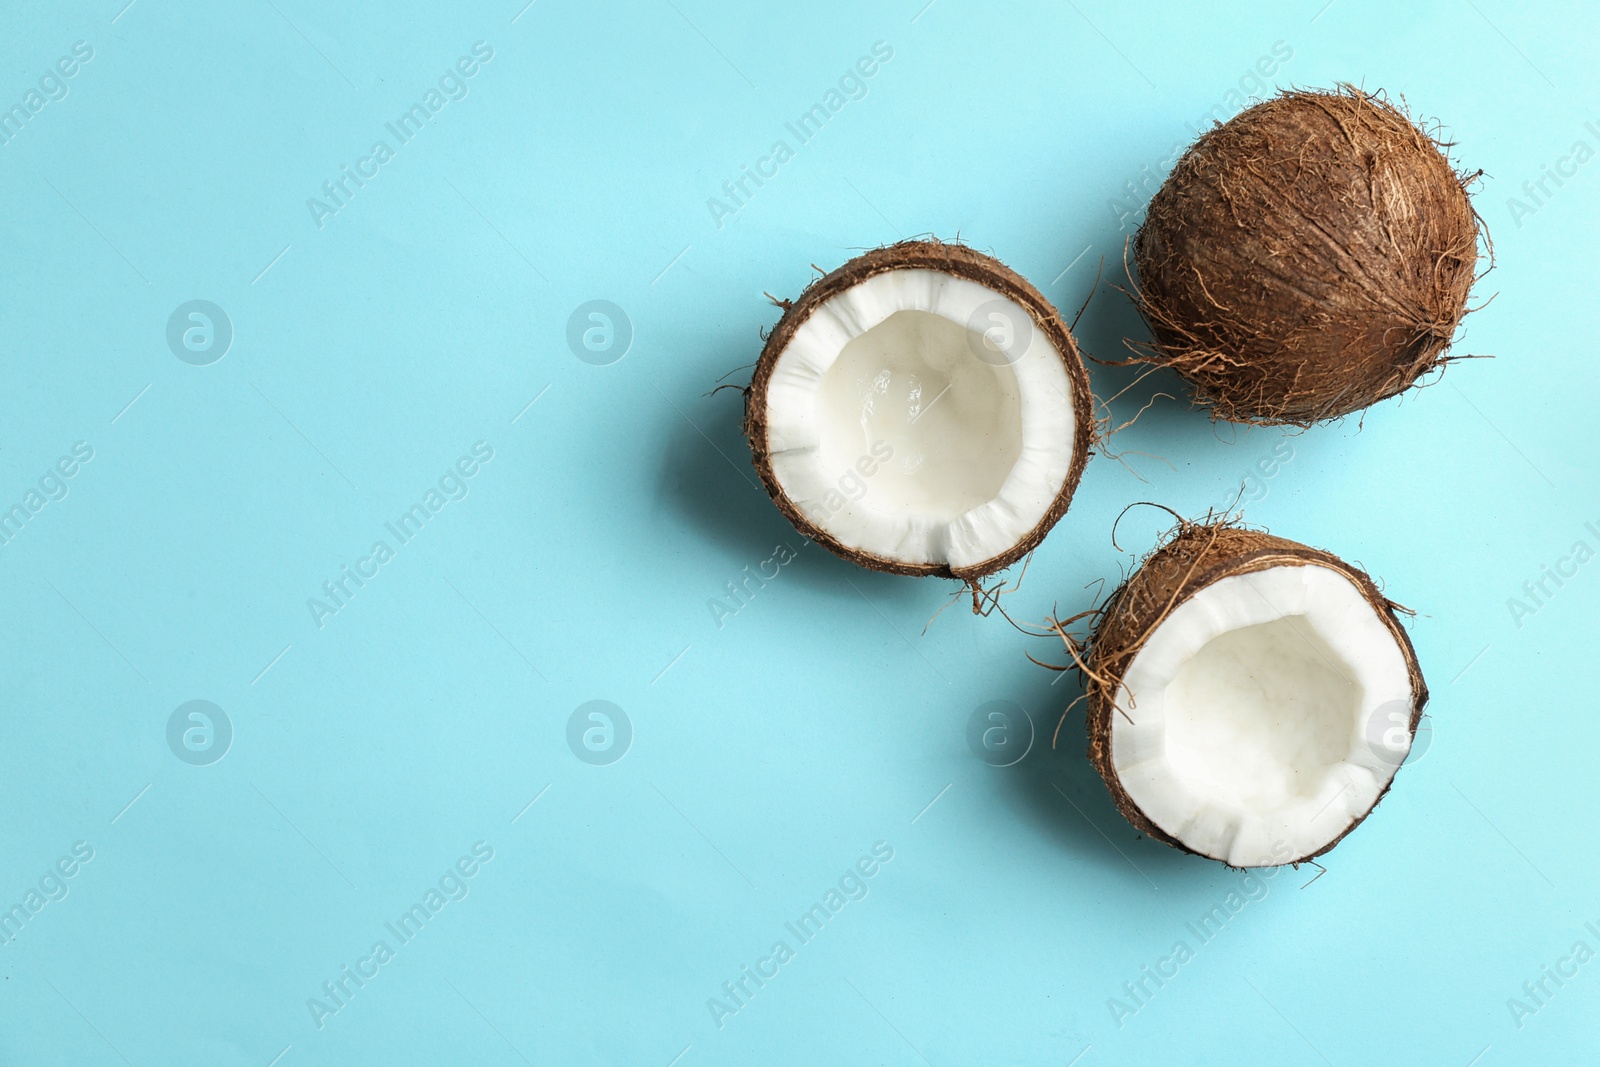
[
  {"x": 1195, "y": 555},
  {"x": 963, "y": 262},
  {"x": 1308, "y": 258}
]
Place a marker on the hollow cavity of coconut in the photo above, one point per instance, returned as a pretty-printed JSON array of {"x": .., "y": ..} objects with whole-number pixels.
[
  {"x": 921, "y": 410},
  {"x": 1307, "y": 258},
  {"x": 1250, "y": 698}
]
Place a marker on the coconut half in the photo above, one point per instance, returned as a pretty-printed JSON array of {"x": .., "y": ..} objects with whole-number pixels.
[
  {"x": 921, "y": 410},
  {"x": 1250, "y": 698}
]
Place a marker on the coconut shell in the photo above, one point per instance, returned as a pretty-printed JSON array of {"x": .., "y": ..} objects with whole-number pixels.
[
  {"x": 962, "y": 262},
  {"x": 1308, "y": 258},
  {"x": 1194, "y": 557}
]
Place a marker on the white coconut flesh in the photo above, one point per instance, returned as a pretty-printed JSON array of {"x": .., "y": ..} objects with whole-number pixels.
[
  {"x": 1250, "y": 709},
  {"x": 923, "y": 418}
]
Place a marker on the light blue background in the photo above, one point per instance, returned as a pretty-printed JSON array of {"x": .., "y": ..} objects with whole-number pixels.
[{"x": 773, "y": 751}]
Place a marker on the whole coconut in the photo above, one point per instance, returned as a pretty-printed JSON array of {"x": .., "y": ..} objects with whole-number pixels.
[{"x": 1307, "y": 258}]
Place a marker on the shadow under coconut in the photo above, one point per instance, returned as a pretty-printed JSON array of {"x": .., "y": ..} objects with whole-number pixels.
[
  {"x": 1170, "y": 426},
  {"x": 707, "y": 479},
  {"x": 1063, "y": 795}
]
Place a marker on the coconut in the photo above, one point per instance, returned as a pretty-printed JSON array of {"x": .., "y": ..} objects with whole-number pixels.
[
  {"x": 921, "y": 410},
  {"x": 1249, "y": 698},
  {"x": 1307, "y": 258}
]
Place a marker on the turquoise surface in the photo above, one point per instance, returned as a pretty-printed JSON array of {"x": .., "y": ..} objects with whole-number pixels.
[{"x": 466, "y": 276}]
